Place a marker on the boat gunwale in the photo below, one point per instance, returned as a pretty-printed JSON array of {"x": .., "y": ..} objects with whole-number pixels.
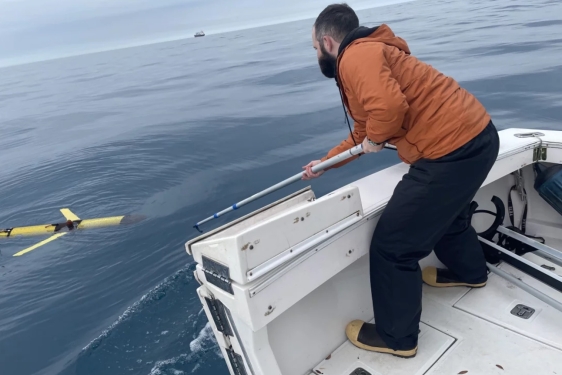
[{"x": 368, "y": 212}]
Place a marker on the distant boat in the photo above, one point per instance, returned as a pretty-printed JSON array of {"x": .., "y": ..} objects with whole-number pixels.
[{"x": 199, "y": 33}]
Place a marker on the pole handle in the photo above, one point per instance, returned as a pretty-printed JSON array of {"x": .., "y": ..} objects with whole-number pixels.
[
  {"x": 338, "y": 158},
  {"x": 318, "y": 167}
]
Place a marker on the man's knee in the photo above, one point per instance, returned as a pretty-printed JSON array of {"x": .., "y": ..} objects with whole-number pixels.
[
  {"x": 382, "y": 242},
  {"x": 397, "y": 249}
]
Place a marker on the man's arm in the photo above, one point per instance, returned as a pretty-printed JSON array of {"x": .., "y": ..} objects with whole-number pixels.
[{"x": 358, "y": 135}]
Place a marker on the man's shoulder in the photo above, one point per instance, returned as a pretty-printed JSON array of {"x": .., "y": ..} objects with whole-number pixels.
[
  {"x": 362, "y": 48},
  {"x": 361, "y": 53}
]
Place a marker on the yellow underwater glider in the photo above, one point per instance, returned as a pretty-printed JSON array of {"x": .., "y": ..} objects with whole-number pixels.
[{"x": 72, "y": 222}]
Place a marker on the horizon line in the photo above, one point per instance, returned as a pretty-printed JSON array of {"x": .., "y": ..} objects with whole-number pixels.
[{"x": 178, "y": 38}]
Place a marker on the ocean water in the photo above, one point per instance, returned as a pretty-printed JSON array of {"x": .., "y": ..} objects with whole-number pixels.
[{"x": 179, "y": 130}]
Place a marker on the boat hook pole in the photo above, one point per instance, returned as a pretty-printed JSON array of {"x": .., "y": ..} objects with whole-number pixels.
[{"x": 318, "y": 167}]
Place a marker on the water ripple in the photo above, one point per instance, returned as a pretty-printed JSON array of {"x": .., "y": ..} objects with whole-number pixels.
[{"x": 179, "y": 130}]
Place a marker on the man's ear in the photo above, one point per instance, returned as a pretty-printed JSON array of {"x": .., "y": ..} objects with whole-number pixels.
[{"x": 328, "y": 43}]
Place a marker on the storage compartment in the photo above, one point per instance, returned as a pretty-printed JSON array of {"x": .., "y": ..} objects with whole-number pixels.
[
  {"x": 261, "y": 301},
  {"x": 234, "y": 250}
]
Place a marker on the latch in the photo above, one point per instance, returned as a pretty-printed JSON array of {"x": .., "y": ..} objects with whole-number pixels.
[
  {"x": 522, "y": 311},
  {"x": 360, "y": 371}
]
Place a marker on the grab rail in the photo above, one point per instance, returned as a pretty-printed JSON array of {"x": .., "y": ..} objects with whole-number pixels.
[
  {"x": 553, "y": 280},
  {"x": 544, "y": 251},
  {"x": 526, "y": 287}
]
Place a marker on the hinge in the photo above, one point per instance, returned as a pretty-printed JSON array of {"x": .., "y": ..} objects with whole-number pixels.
[
  {"x": 539, "y": 153},
  {"x": 236, "y": 362},
  {"x": 217, "y": 274},
  {"x": 218, "y": 312}
]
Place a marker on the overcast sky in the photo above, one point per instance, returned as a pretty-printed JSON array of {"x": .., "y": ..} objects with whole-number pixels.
[{"x": 40, "y": 29}]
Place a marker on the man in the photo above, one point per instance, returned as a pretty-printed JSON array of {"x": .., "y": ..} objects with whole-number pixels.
[{"x": 449, "y": 140}]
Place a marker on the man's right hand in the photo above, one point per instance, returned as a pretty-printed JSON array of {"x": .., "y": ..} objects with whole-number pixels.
[{"x": 308, "y": 174}]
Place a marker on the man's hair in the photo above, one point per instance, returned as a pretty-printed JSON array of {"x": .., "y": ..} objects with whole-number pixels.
[{"x": 336, "y": 20}]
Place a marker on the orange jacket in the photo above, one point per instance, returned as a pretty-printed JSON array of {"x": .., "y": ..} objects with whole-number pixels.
[{"x": 394, "y": 97}]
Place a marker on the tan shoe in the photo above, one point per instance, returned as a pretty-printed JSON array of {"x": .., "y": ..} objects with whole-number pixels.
[
  {"x": 365, "y": 336},
  {"x": 442, "y": 278}
]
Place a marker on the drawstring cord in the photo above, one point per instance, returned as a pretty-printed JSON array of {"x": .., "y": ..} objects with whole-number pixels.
[{"x": 344, "y": 111}]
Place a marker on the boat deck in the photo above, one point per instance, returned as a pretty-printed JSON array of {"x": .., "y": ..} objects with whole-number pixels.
[{"x": 470, "y": 331}]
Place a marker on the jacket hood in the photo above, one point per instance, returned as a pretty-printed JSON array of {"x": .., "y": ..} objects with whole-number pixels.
[{"x": 381, "y": 33}]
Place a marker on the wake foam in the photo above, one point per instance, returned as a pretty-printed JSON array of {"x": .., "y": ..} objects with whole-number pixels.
[
  {"x": 204, "y": 337},
  {"x": 204, "y": 342},
  {"x": 167, "y": 322},
  {"x": 154, "y": 295}
]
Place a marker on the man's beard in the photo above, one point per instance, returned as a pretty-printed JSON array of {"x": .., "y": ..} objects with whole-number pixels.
[{"x": 327, "y": 63}]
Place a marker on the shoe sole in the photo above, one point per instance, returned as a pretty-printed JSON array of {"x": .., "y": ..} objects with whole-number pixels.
[
  {"x": 447, "y": 285},
  {"x": 397, "y": 353}
]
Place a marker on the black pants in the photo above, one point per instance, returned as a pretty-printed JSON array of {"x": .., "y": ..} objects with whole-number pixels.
[{"x": 428, "y": 211}]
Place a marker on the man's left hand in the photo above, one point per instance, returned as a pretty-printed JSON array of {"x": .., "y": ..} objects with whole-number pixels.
[{"x": 367, "y": 147}]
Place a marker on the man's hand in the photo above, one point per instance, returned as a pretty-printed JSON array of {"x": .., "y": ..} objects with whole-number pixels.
[
  {"x": 367, "y": 147},
  {"x": 308, "y": 174}
]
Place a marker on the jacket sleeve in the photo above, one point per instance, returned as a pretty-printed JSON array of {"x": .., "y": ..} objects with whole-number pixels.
[
  {"x": 365, "y": 71},
  {"x": 358, "y": 136}
]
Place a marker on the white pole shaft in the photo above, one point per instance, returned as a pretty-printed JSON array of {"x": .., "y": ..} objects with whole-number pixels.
[{"x": 318, "y": 167}]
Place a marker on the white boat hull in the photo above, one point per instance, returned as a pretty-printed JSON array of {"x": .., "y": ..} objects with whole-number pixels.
[{"x": 279, "y": 290}]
